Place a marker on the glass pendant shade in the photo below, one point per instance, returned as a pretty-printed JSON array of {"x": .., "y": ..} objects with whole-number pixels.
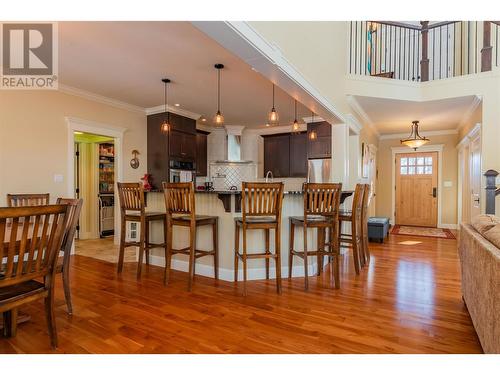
[
  {"x": 273, "y": 117},
  {"x": 415, "y": 140},
  {"x": 313, "y": 135},
  {"x": 218, "y": 118},
  {"x": 165, "y": 127},
  {"x": 295, "y": 126}
]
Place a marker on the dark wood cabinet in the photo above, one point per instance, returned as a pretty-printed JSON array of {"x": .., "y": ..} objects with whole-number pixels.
[
  {"x": 182, "y": 145},
  {"x": 201, "y": 153},
  {"x": 319, "y": 146},
  {"x": 157, "y": 150},
  {"x": 298, "y": 155},
  {"x": 285, "y": 155}
]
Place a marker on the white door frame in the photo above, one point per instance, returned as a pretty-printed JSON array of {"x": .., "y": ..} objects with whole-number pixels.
[
  {"x": 407, "y": 150},
  {"x": 462, "y": 146},
  {"x": 87, "y": 126}
]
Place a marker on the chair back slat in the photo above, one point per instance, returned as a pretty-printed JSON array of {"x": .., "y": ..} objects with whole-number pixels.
[
  {"x": 35, "y": 233},
  {"x": 74, "y": 209},
  {"x": 322, "y": 199},
  {"x": 179, "y": 198},
  {"x": 131, "y": 196},
  {"x": 27, "y": 200},
  {"x": 261, "y": 199}
]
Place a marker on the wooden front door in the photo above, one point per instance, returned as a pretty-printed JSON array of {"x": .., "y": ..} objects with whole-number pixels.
[{"x": 416, "y": 189}]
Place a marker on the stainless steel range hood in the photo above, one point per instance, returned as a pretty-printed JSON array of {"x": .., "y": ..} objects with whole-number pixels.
[{"x": 233, "y": 145}]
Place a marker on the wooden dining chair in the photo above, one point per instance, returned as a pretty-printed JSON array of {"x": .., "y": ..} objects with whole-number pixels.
[
  {"x": 30, "y": 244},
  {"x": 133, "y": 208},
  {"x": 24, "y": 200},
  {"x": 63, "y": 267},
  {"x": 261, "y": 205},
  {"x": 364, "y": 225},
  {"x": 353, "y": 240},
  {"x": 181, "y": 211},
  {"x": 321, "y": 211}
]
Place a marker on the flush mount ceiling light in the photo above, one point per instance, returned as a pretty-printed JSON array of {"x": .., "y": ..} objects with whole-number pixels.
[
  {"x": 165, "y": 126},
  {"x": 295, "y": 126},
  {"x": 273, "y": 117},
  {"x": 218, "y": 118},
  {"x": 415, "y": 140}
]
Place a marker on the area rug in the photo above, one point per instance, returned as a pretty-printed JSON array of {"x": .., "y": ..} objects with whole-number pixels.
[{"x": 422, "y": 232}]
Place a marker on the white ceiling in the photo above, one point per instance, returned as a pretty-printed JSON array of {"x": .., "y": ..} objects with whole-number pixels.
[
  {"x": 391, "y": 116},
  {"x": 126, "y": 61}
]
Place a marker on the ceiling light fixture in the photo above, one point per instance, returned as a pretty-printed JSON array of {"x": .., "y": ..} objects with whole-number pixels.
[
  {"x": 165, "y": 126},
  {"x": 177, "y": 104},
  {"x": 273, "y": 117},
  {"x": 415, "y": 140},
  {"x": 295, "y": 126},
  {"x": 218, "y": 118},
  {"x": 313, "y": 135}
]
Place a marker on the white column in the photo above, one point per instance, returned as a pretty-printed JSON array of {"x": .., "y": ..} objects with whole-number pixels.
[{"x": 340, "y": 154}]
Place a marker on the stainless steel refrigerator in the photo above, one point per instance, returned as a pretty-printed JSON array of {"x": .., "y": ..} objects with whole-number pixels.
[{"x": 318, "y": 170}]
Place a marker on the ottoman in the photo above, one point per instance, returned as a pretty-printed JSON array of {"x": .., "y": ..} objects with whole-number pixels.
[{"x": 378, "y": 228}]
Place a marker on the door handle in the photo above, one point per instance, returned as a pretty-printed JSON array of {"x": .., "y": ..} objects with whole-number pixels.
[
  {"x": 434, "y": 192},
  {"x": 476, "y": 200}
]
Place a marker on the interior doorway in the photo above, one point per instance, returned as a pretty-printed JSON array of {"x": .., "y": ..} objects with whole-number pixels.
[{"x": 417, "y": 189}]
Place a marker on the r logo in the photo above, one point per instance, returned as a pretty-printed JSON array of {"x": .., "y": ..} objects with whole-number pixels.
[{"x": 27, "y": 49}]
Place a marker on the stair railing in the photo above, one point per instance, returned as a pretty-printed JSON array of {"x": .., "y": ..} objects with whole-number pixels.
[{"x": 491, "y": 191}]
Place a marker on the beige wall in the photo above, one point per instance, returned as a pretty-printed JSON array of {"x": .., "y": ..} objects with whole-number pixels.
[
  {"x": 449, "y": 170},
  {"x": 33, "y": 139},
  {"x": 475, "y": 118}
]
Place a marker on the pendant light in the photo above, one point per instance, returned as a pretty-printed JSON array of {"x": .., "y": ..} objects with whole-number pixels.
[
  {"x": 165, "y": 126},
  {"x": 295, "y": 126},
  {"x": 414, "y": 141},
  {"x": 273, "y": 116},
  {"x": 313, "y": 135},
  {"x": 218, "y": 118}
]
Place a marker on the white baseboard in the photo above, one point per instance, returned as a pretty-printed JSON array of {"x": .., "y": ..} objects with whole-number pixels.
[{"x": 228, "y": 274}]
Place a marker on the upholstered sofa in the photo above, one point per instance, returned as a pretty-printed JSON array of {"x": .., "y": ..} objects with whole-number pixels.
[{"x": 479, "y": 251}]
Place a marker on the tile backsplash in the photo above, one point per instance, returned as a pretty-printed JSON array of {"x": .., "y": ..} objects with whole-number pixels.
[{"x": 226, "y": 175}]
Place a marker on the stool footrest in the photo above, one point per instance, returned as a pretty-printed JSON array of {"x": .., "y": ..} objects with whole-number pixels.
[{"x": 258, "y": 255}]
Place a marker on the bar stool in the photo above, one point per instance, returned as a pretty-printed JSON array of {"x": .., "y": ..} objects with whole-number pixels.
[
  {"x": 321, "y": 211},
  {"x": 354, "y": 240},
  {"x": 133, "y": 208},
  {"x": 180, "y": 204},
  {"x": 364, "y": 226},
  {"x": 261, "y": 204}
]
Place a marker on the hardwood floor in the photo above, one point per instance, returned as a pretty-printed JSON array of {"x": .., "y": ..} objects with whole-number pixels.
[{"x": 407, "y": 301}]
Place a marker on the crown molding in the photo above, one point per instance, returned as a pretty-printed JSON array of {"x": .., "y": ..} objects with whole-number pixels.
[
  {"x": 99, "y": 98},
  {"x": 351, "y": 100},
  {"x": 275, "y": 129},
  {"x": 354, "y": 124},
  {"x": 311, "y": 119},
  {"x": 473, "y": 106},
  {"x": 176, "y": 110},
  {"x": 427, "y": 133}
]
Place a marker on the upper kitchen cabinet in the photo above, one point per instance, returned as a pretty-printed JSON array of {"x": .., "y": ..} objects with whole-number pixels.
[
  {"x": 298, "y": 155},
  {"x": 319, "y": 140},
  {"x": 201, "y": 153},
  {"x": 182, "y": 124},
  {"x": 276, "y": 154},
  {"x": 182, "y": 145}
]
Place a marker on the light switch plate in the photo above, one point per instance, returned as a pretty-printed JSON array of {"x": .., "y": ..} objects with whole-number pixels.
[
  {"x": 448, "y": 184},
  {"x": 58, "y": 178}
]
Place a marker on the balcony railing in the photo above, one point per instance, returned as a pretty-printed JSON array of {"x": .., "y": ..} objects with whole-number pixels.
[{"x": 422, "y": 52}]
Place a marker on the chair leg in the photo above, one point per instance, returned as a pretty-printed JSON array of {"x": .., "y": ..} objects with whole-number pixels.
[
  {"x": 336, "y": 265},
  {"x": 67, "y": 287},
  {"x": 321, "y": 247},
  {"x": 290, "y": 253},
  {"x": 267, "y": 235},
  {"x": 122, "y": 245},
  {"x": 192, "y": 241},
  {"x": 236, "y": 251},
  {"x": 146, "y": 240},
  {"x": 306, "y": 275},
  {"x": 51, "y": 319},
  {"x": 10, "y": 323},
  {"x": 244, "y": 258},
  {"x": 168, "y": 251},
  {"x": 277, "y": 242},
  {"x": 355, "y": 252},
  {"x": 215, "y": 237},
  {"x": 141, "y": 252}
]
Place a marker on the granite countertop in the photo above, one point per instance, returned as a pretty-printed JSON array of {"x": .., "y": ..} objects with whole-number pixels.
[{"x": 234, "y": 192}]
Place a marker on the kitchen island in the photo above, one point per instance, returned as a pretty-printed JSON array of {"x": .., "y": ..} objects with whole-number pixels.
[{"x": 215, "y": 203}]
